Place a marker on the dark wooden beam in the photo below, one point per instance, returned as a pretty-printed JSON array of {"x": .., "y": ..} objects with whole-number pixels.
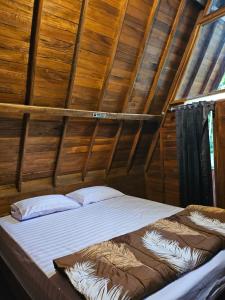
[
  {"x": 31, "y": 68},
  {"x": 202, "y": 53},
  {"x": 174, "y": 87},
  {"x": 213, "y": 63},
  {"x": 154, "y": 84},
  {"x": 46, "y": 111},
  {"x": 133, "y": 78},
  {"x": 105, "y": 84},
  {"x": 70, "y": 87}
]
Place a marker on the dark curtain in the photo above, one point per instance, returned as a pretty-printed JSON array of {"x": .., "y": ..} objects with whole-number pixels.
[{"x": 194, "y": 153}]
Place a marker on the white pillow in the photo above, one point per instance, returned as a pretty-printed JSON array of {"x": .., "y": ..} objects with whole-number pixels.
[
  {"x": 40, "y": 206},
  {"x": 94, "y": 194}
]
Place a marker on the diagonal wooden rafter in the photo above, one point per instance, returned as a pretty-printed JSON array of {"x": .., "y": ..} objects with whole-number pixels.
[
  {"x": 202, "y": 54},
  {"x": 174, "y": 87},
  {"x": 105, "y": 84},
  {"x": 31, "y": 68},
  {"x": 134, "y": 75},
  {"x": 214, "y": 62},
  {"x": 154, "y": 84},
  {"x": 70, "y": 87}
]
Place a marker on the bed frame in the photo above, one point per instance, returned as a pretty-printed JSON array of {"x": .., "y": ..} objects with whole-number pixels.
[
  {"x": 9, "y": 284},
  {"x": 10, "y": 288}
]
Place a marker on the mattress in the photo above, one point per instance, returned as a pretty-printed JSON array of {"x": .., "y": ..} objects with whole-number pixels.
[{"x": 49, "y": 237}]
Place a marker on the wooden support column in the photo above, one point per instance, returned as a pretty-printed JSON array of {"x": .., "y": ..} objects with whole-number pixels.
[
  {"x": 154, "y": 84},
  {"x": 31, "y": 68},
  {"x": 105, "y": 84},
  {"x": 70, "y": 87},
  {"x": 134, "y": 75},
  {"x": 175, "y": 86}
]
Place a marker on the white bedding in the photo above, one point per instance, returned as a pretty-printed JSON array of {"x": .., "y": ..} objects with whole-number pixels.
[{"x": 70, "y": 231}]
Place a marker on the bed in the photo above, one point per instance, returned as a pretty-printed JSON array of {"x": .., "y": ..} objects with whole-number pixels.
[{"x": 29, "y": 247}]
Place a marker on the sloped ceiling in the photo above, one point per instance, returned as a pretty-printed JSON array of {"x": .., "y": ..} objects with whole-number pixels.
[{"x": 101, "y": 39}]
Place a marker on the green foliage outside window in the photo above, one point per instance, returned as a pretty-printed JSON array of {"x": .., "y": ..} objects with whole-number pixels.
[
  {"x": 211, "y": 139},
  {"x": 222, "y": 83}
]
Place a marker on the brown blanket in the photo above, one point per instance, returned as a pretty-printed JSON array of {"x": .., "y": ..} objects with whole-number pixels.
[{"x": 137, "y": 264}]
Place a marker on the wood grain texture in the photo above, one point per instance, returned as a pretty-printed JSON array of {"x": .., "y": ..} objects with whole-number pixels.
[
  {"x": 154, "y": 84},
  {"x": 133, "y": 78},
  {"x": 105, "y": 83},
  {"x": 32, "y": 61},
  {"x": 219, "y": 153},
  {"x": 48, "y": 112},
  {"x": 119, "y": 49},
  {"x": 72, "y": 77},
  {"x": 174, "y": 88}
]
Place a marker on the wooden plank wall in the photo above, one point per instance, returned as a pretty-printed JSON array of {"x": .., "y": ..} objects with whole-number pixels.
[
  {"x": 162, "y": 178},
  {"x": 219, "y": 133},
  {"x": 55, "y": 51}
]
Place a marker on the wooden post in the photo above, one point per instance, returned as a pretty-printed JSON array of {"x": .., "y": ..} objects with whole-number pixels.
[
  {"x": 34, "y": 39},
  {"x": 70, "y": 87}
]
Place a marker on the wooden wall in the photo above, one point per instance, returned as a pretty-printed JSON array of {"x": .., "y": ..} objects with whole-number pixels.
[
  {"x": 116, "y": 61},
  {"x": 220, "y": 153},
  {"x": 162, "y": 178}
]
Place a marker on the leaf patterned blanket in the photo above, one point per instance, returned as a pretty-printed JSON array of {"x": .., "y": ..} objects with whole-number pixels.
[{"x": 137, "y": 264}]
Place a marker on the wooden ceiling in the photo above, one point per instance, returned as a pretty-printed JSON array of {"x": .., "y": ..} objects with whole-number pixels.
[{"x": 114, "y": 56}]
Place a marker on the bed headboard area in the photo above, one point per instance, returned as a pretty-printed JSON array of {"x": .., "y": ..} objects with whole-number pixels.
[{"x": 82, "y": 89}]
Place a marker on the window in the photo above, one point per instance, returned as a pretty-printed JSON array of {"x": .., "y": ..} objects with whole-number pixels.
[
  {"x": 211, "y": 139},
  {"x": 222, "y": 83}
]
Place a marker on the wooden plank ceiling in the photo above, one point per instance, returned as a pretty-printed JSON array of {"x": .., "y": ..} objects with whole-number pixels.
[{"x": 115, "y": 56}]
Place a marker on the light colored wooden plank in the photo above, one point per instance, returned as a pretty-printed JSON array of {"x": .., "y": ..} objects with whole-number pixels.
[
  {"x": 105, "y": 84},
  {"x": 9, "y": 109},
  {"x": 70, "y": 86}
]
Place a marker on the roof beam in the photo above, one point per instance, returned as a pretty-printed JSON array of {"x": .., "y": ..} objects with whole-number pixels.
[
  {"x": 154, "y": 84},
  {"x": 47, "y": 111},
  {"x": 70, "y": 87},
  {"x": 133, "y": 78},
  {"x": 105, "y": 84},
  {"x": 174, "y": 87},
  {"x": 32, "y": 61}
]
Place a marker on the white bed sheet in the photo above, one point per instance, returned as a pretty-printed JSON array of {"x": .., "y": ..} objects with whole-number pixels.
[{"x": 73, "y": 230}]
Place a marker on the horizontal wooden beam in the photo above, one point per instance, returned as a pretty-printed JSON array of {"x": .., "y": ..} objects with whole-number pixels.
[{"x": 74, "y": 113}]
